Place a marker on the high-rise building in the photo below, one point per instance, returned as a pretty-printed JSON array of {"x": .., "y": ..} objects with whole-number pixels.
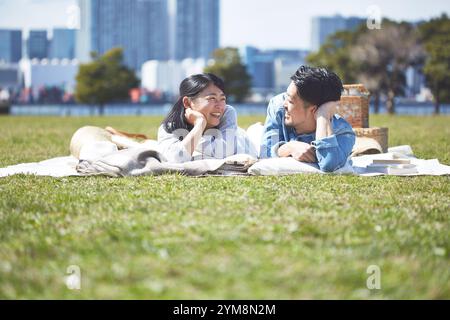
[
  {"x": 271, "y": 69},
  {"x": 10, "y": 45},
  {"x": 166, "y": 76},
  {"x": 196, "y": 28},
  {"x": 140, "y": 27},
  {"x": 322, "y": 27},
  {"x": 62, "y": 45},
  {"x": 259, "y": 66},
  {"x": 37, "y": 44}
]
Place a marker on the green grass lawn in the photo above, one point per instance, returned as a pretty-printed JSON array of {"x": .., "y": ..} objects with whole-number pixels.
[{"x": 292, "y": 237}]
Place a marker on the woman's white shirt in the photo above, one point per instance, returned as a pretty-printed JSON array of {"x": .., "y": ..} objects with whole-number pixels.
[{"x": 217, "y": 143}]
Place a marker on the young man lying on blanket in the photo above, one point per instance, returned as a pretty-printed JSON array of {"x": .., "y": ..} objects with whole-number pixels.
[{"x": 302, "y": 123}]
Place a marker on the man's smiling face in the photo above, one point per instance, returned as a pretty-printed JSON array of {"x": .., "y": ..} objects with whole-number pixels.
[{"x": 297, "y": 112}]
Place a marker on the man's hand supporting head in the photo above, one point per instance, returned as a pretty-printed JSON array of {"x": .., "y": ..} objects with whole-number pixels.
[{"x": 323, "y": 117}]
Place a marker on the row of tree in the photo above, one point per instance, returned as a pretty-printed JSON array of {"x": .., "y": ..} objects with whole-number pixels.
[
  {"x": 106, "y": 79},
  {"x": 378, "y": 58}
]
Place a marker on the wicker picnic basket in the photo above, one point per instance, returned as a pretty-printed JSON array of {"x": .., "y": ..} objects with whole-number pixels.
[
  {"x": 354, "y": 105},
  {"x": 378, "y": 134}
]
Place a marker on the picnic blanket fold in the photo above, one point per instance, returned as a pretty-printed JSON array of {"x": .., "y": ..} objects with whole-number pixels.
[{"x": 142, "y": 161}]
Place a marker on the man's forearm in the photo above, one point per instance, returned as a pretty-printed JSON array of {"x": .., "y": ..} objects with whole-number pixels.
[{"x": 323, "y": 127}]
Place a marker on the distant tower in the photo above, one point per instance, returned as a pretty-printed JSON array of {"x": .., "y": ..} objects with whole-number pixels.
[
  {"x": 140, "y": 27},
  {"x": 322, "y": 27},
  {"x": 196, "y": 28},
  {"x": 62, "y": 44},
  {"x": 37, "y": 44},
  {"x": 10, "y": 45}
]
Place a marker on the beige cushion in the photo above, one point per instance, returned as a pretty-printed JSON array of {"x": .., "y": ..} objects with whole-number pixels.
[{"x": 87, "y": 135}]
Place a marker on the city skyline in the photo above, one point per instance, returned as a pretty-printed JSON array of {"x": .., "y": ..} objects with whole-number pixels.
[
  {"x": 148, "y": 30},
  {"x": 238, "y": 27}
]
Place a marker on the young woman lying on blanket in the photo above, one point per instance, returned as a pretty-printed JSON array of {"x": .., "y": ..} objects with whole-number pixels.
[{"x": 200, "y": 125}]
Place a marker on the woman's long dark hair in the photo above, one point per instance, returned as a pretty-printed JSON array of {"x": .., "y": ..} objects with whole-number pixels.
[{"x": 189, "y": 87}]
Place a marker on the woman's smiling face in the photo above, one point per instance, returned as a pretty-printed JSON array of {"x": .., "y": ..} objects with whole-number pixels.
[{"x": 211, "y": 103}]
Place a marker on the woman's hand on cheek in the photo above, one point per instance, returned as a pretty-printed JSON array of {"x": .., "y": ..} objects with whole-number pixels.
[{"x": 193, "y": 117}]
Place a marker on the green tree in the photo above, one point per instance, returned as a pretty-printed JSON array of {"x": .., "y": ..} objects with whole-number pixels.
[
  {"x": 105, "y": 79},
  {"x": 376, "y": 58},
  {"x": 227, "y": 65},
  {"x": 383, "y": 55},
  {"x": 335, "y": 55},
  {"x": 435, "y": 35}
]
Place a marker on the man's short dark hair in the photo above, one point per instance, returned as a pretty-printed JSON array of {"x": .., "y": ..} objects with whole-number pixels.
[{"x": 317, "y": 86}]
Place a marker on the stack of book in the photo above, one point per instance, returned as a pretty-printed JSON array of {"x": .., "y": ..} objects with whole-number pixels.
[{"x": 394, "y": 166}]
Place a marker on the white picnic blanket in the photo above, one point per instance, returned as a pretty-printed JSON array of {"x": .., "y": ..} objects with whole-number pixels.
[
  {"x": 145, "y": 161},
  {"x": 134, "y": 161}
]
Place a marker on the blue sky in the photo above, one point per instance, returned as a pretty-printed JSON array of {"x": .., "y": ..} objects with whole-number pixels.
[{"x": 263, "y": 23}]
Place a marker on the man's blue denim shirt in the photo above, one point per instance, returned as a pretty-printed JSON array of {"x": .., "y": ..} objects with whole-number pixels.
[{"x": 332, "y": 152}]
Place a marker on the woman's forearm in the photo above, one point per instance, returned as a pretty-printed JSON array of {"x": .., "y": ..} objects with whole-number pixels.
[{"x": 191, "y": 141}]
